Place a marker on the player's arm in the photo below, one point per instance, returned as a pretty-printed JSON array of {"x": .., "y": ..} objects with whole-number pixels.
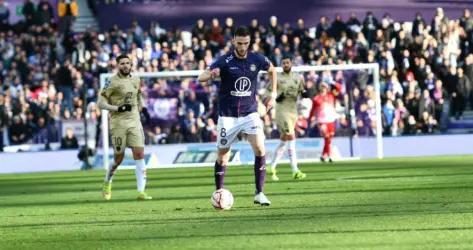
[
  {"x": 312, "y": 110},
  {"x": 273, "y": 78},
  {"x": 208, "y": 74},
  {"x": 303, "y": 90},
  {"x": 104, "y": 102},
  {"x": 140, "y": 102}
]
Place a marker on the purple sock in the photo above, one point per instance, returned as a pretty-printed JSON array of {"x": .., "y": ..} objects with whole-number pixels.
[
  {"x": 219, "y": 172},
  {"x": 260, "y": 172}
]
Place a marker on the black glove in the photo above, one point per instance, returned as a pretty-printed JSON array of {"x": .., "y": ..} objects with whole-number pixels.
[
  {"x": 124, "y": 108},
  {"x": 280, "y": 98},
  {"x": 305, "y": 94}
]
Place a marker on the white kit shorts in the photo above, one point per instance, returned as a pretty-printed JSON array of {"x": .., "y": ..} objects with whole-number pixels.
[{"x": 228, "y": 128}]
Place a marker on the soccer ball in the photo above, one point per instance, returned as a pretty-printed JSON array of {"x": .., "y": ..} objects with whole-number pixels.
[{"x": 222, "y": 199}]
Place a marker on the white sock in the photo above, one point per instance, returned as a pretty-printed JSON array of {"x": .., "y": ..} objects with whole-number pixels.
[
  {"x": 140, "y": 172},
  {"x": 278, "y": 154},
  {"x": 291, "y": 151}
]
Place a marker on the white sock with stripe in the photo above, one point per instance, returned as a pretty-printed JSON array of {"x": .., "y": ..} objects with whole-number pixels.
[
  {"x": 292, "y": 155},
  {"x": 278, "y": 154},
  {"x": 140, "y": 172}
]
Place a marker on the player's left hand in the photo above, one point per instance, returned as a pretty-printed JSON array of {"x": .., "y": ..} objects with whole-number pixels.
[
  {"x": 270, "y": 102},
  {"x": 124, "y": 108}
]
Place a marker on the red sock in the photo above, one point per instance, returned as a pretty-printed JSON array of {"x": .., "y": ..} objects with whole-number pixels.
[
  {"x": 328, "y": 144},
  {"x": 327, "y": 141}
]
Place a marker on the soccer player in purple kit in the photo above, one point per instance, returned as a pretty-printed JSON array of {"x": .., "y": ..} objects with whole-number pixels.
[{"x": 238, "y": 71}]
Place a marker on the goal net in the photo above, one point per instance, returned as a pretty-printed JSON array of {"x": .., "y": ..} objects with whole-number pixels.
[{"x": 180, "y": 110}]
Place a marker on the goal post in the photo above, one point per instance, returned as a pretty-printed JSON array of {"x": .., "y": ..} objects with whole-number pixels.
[{"x": 373, "y": 67}]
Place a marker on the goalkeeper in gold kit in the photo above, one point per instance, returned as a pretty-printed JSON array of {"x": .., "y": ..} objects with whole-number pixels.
[
  {"x": 290, "y": 86},
  {"x": 121, "y": 96}
]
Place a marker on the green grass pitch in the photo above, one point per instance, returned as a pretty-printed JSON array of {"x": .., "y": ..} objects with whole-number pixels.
[{"x": 408, "y": 203}]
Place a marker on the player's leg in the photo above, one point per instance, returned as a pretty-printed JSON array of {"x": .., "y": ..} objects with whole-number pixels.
[
  {"x": 278, "y": 153},
  {"x": 221, "y": 166},
  {"x": 257, "y": 143},
  {"x": 324, "y": 134},
  {"x": 291, "y": 151},
  {"x": 107, "y": 185},
  {"x": 253, "y": 127},
  {"x": 328, "y": 143},
  {"x": 226, "y": 136},
  {"x": 117, "y": 160},
  {"x": 118, "y": 141},
  {"x": 135, "y": 139}
]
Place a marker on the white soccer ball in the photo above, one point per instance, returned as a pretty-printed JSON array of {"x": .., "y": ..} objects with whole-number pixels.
[{"x": 222, "y": 199}]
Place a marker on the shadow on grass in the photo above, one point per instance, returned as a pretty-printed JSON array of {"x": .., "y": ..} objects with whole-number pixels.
[
  {"x": 12, "y": 189},
  {"x": 251, "y": 219},
  {"x": 466, "y": 185}
]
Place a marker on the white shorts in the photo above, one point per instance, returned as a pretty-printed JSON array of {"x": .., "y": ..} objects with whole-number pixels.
[{"x": 228, "y": 128}]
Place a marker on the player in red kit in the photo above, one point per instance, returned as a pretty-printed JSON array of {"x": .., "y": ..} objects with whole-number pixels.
[{"x": 324, "y": 114}]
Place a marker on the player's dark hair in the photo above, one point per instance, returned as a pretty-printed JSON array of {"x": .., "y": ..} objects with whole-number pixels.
[
  {"x": 120, "y": 57},
  {"x": 242, "y": 31},
  {"x": 287, "y": 56}
]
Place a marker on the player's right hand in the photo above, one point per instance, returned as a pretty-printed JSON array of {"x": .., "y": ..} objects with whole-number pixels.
[
  {"x": 124, "y": 108},
  {"x": 214, "y": 73},
  {"x": 280, "y": 98}
]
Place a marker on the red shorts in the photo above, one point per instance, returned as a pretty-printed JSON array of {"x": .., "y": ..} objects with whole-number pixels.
[{"x": 327, "y": 129}]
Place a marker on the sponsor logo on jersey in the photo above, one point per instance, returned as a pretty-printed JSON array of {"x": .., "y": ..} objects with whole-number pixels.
[
  {"x": 233, "y": 67},
  {"x": 253, "y": 67},
  {"x": 223, "y": 141},
  {"x": 107, "y": 84},
  {"x": 242, "y": 87},
  {"x": 228, "y": 59}
]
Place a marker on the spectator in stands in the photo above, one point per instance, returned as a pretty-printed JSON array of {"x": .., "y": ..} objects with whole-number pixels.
[
  {"x": 68, "y": 11},
  {"x": 338, "y": 27},
  {"x": 452, "y": 87},
  {"x": 323, "y": 28},
  {"x": 388, "y": 118},
  {"x": 44, "y": 13},
  {"x": 410, "y": 127},
  {"x": 18, "y": 131},
  {"x": 4, "y": 16},
  {"x": 418, "y": 24},
  {"x": 200, "y": 30},
  {"x": 426, "y": 103},
  {"x": 29, "y": 59},
  {"x": 428, "y": 124},
  {"x": 209, "y": 132},
  {"x": 69, "y": 141},
  {"x": 158, "y": 137},
  {"x": 64, "y": 84},
  {"x": 370, "y": 25},
  {"x": 176, "y": 134},
  {"x": 439, "y": 95},
  {"x": 29, "y": 12},
  {"x": 463, "y": 89},
  {"x": 469, "y": 74},
  {"x": 4, "y": 119}
]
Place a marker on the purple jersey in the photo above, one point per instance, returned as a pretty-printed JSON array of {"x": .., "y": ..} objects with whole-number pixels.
[{"x": 237, "y": 92}]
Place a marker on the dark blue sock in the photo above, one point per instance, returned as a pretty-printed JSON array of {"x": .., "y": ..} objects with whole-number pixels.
[
  {"x": 219, "y": 172},
  {"x": 260, "y": 172}
]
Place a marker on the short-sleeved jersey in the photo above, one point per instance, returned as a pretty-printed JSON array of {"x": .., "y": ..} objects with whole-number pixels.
[
  {"x": 323, "y": 107},
  {"x": 237, "y": 92},
  {"x": 123, "y": 90},
  {"x": 291, "y": 86}
]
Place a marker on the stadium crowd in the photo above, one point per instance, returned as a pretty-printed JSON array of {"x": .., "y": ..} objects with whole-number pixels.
[{"x": 47, "y": 72}]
